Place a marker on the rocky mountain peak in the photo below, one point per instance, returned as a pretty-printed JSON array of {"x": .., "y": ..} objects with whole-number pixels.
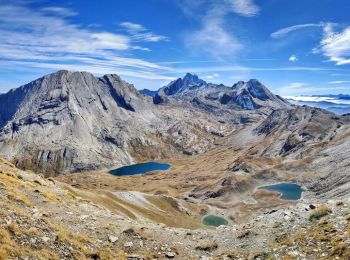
[
  {"x": 190, "y": 76},
  {"x": 188, "y": 82},
  {"x": 63, "y": 113},
  {"x": 192, "y": 79},
  {"x": 179, "y": 86},
  {"x": 244, "y": 94},
  {"x": 239, "y": 84},
  {"x": 254, "y": 89}
]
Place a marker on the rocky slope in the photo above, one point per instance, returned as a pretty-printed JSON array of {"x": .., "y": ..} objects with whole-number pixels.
[
  {"x": 45, "y": 219},
  {"x": 319, "y": 137},
  {"x": 306, "y": 146},
  {"x": 72, "y": 121}
]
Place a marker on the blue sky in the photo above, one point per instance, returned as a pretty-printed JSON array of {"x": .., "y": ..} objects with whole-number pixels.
[{"x": 293, "y": 47}]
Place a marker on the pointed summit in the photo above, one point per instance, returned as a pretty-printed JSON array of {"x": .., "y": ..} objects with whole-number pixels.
[
  {"x": 179, "y": 87},
  {"x": 253, "y": 94},
  {"x": 193, "y": 80}
]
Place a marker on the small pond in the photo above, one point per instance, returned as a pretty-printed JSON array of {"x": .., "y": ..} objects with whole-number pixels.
[
  {"x": 140, "y": 168},
  {"x": 289, "y": 191},
  {"x": 215, "y": 221}
]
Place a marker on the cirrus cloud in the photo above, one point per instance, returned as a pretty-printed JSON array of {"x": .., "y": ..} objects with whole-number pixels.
[
  {"x": 214, "y": 36},
  {"x": 335, "y": 45},
  {"x": 44, "y": 38},
  {"x": 244, "y": 7},
  {"x": 284, "y": 31},
  {"x": 139, "y": 33}
]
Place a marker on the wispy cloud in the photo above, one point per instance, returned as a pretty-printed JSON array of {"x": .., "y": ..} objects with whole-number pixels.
[
  {"x": 295, "y": 85},
  {"x": 246, "y": 69},
  {"x": 214, "y": 37},
  {"x": 296, "y": 88},
  {"x": 284, "y": 31},
  {"x": 244, "y": 7},
  {"x": 335, "y": 45},
  {"x": 45, "y": 38},
  {"x": 339, "y": 82},
  {"x": 139, "y": 33},
  {"x": 212, "y": 76},
  {"x": 58, "y": 10}
]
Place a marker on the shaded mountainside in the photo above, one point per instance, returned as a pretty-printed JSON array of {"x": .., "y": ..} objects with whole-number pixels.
[{"x": 148, "y": 92}]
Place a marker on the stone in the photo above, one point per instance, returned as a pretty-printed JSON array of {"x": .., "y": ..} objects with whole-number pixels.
[
  {"x": 45, "y": 239},
  {"x": 170, "y": 254},
  {"x": 128, "y": 244},
  {"x": 112, "y": 239}
]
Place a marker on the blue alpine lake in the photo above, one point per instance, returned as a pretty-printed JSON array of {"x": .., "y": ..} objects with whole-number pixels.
[
  {"x": 290, "y": 191},
  {"x": 140, "y": 168}
]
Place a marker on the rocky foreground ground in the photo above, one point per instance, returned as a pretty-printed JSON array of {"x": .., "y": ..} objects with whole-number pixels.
[{"x": 43, "y": 219}]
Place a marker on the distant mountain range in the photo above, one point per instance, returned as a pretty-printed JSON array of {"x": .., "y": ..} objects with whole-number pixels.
[
  {"x": 248, "y": 95},
  {"x": 339, "y": 104},
  {"x": 338, "y": 96}
]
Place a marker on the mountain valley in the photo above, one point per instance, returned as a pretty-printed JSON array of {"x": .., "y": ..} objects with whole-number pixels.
[{"x": 62, "y": 134}]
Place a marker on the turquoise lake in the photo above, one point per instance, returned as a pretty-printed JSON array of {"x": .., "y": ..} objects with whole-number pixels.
[
  {"x": 140, "y": 168},
  {"x": 290, "y": 191},
  {"x": 215, "y": 221}
]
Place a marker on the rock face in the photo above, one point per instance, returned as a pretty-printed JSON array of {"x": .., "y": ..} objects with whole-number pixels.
[
  {"x": 72, "y": 121},
  {"x": 67, "y": 115}
]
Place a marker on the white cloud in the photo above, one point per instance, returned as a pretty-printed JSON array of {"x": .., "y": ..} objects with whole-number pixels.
[
  {"x": 215, "y": 35},
  {"x": 57, "y": 10},
  {"x": 335, "y": 45},
  {"x": 339, "y": 81},
  {"x": 247, "y": 69},
  {"x": 244, "y": 7},
  {"x": 293, "y": 58},
  {"x": 295, "y": 85},
  {"x": 212, "y": 76},
  {"x": 139, "y": 33},
  {"x": 284, "y": 31},
  {"x": 132, "y": 27},
  {"x": 213, "y": 39},
  {"x": 44, "y": 38},
  {"x": 299, "y": 88},
  {"x": 296, "y": 88},
  {"x": 317, "y": 99}
]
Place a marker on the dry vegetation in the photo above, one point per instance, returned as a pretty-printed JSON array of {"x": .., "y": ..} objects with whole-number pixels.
[
  {"x": 44, "y": 219},
  {"x": 320, "y": 212}
]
